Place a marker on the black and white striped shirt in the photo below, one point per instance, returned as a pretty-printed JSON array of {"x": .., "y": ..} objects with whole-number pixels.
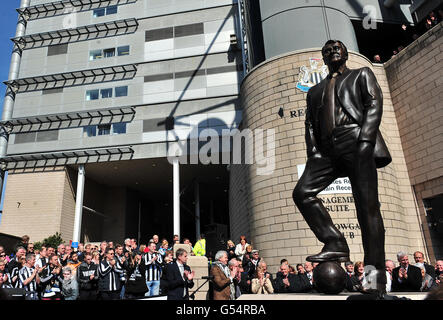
[
  {"x": 153, "y": 269},
  {"x": 24, "y": 274},
  {"x": 42, "y": 262},
  {"x": 6, "y": 283},
  {"x": 15, "y": 283},
  {"x": 109, "y": 277}
]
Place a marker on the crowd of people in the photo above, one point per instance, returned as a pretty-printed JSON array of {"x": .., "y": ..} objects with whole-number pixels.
[
  {"x": 129, "y": 271},
  {"x": 249, "y": 274},
  {"x": 411, "y": 33}
]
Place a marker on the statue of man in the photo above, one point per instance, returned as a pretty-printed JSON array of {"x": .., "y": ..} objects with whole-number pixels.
[{"x": 342, "y": 137}]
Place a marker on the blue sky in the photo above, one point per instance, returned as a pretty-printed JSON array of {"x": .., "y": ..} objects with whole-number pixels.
[{"x": 8, "y": 23}]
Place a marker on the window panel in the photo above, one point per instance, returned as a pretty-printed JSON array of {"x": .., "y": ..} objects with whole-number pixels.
[
  {"x": 111, "y": 10},
  {"x": 189, "y": 30},
  {"x": 123, "y": 51},
  {"x": 89, "y": 131},
  {"x": 108, "y": 53},
  {"x": 106, "y": 93},
  {"x": 119, "y": 128},
  {"x": 50, "y": 135},
  {"x": 99, "y": 12},
  {"x": 121, "y": 91},
  {"x": 104, "y": 129},
  {"x": 159, "y": 34},
  {"x": 52, "y": 91},
  {"x": 95, "y": 54},
  {"x": 57, "y": 49},
  {"x": 25, "y": 137},
  {"x": 92, "y": 95}
]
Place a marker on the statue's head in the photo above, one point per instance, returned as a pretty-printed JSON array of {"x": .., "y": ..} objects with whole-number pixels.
[{"x": 334, "y": 52}]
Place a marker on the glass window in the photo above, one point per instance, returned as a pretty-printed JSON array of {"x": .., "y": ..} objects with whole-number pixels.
[
  {"x": 123, "y": 51},
  {"x": 111, "y": 10},
  {"x": 106, "y": 93},
  {"x": 25, "y": 137},
  {"x": 92, "y": 95},
  {"x": 57, "y": 49},
  {"x": 107, "y": 53},
  {"x": 104, "y": 129},
  {"x": 119, "y": 128},
  {"x": 95, "y": 54},
  {"x": 89, "y": 131},
  {"x": 99, "y": 12},
  {"x": 121, "y": 91}
]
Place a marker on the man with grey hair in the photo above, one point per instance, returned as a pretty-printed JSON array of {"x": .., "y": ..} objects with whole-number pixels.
[
  {"x": 127, "y": 247},
  {"x": 223, "y": 281},
  {"x": 157, "y": 243},
  {"x": 264, "y": 266},
  {"x": 406, "y": 278},
  {"x": 389, "y": 266}
]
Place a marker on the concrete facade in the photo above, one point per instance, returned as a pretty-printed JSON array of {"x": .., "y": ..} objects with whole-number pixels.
[{"x": 183, "y": 66}]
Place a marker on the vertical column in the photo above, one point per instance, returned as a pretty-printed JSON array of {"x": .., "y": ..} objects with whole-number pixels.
[
  {"x": 79, "y": 205},
  {"x": 176, "y": 196},
  {"x": 8, "y": 102},
  {"x": 197, "y": 209}
]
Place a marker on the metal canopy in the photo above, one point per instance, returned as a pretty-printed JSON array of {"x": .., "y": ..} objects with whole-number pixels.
[
  {"x": 67, "y": 79},
  {"x": 18, "y": 123},
  {"x": 93, "y": 31},
  {"x": 39, "y": 160},
  {"x": 63, "y": 7}
]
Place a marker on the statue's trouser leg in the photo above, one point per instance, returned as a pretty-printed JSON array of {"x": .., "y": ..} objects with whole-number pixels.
[
  {"x": 319, "y": 173},
  {"x": 363, "y": 177}
]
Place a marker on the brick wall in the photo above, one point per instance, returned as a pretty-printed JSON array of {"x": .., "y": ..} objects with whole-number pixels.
[
  {"x": 34, "y": 203},
  {"x": 415, "y": 79}
]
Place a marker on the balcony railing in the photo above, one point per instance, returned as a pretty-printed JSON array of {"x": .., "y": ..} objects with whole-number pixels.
[
  {"x": 83, "y": 33},
  {"x": 68, "y": 157},
  {"x": 74, "y": 78},
  {"x": 66, "y": 7},
  {"x": 69, "y": 120}
]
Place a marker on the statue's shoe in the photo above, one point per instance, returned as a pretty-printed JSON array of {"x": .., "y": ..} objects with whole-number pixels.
[{"x": 329, "y": 256}]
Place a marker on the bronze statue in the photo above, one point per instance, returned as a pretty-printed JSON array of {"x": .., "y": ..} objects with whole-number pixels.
[{"x": 342, "y": 137}]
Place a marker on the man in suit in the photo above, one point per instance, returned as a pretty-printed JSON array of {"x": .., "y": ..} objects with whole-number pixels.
[
  {"x": 252, "y": 264},
  {"x": 406, "y": 278},
  {"x": 286, "y": 282},
  {"x": 178, "y": 277},
  {"x": 223, "y": 277},
  {"x": 419, "y": 258},
  {"x": 307, "y": 277},
  {"x": 342, "y": 137}
]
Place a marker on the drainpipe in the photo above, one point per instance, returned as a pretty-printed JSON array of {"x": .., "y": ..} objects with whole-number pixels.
[{"x": 8, "y": 103}]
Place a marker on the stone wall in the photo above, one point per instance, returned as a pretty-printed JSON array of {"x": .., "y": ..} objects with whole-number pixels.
[
  {"x": 34, "y": 203},
  {"x": 415, "y": 77}
]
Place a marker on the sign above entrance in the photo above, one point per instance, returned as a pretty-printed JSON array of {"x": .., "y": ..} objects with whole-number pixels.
[{"x": 309, "y": 77}]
